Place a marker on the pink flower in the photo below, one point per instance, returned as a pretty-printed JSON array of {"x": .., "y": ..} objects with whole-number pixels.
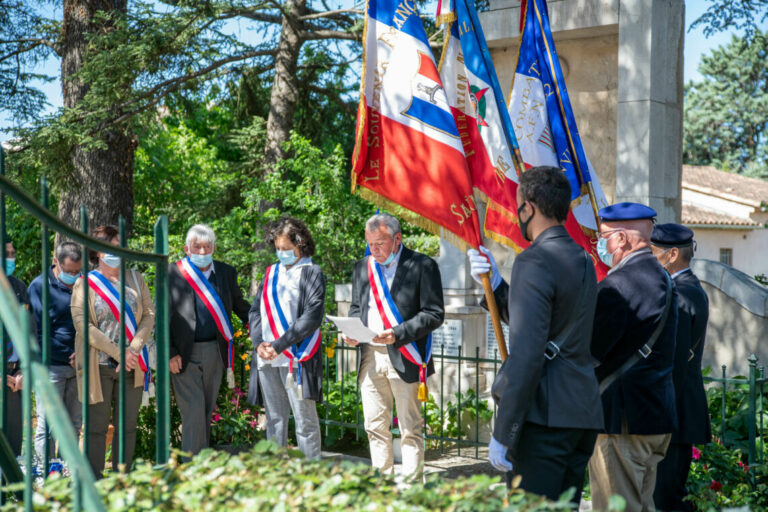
[
  {"x": 216, "y": 417},
  {"x": 247, "y": 411},
  {"x": 394, "y": 421},
  {"x": 254, "y": 423},
  {"x": 696, "y": 453},
  {"x": 715, "y": 485}
]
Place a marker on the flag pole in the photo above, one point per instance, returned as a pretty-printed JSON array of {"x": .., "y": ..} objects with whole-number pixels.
[{"x": 493, "y": 309}]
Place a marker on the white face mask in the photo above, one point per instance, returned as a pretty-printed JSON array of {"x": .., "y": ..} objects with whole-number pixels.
[{"x": 602, "y": 250}]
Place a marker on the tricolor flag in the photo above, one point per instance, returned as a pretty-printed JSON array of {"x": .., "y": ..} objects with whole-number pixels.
[
  {"x": 545, "y": 126},
  {"x": 483, "y": 123},
  {"x": 408, "y": 152}
]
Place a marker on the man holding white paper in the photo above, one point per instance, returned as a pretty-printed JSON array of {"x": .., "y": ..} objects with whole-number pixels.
[{"x": 396, "y": 292}]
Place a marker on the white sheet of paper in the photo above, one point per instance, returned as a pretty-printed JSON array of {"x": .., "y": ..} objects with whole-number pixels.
[{"x": 353, "y": 328}]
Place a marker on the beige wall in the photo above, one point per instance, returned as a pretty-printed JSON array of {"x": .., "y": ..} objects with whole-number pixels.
[
  {"x": 749, "y": 247},
  {"x": 590, "y": 66}
]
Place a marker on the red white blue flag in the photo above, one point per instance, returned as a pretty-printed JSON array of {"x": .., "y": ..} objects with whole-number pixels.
[
  {"x": 545, "y": 126},
  {"x": 408, "y": 154},
  {"x": 483, "y": 122},
  {"x": 274, "y": 312}
]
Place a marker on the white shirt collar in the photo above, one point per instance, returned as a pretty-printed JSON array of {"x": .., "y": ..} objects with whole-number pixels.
[{"x": 208, "y": 272}]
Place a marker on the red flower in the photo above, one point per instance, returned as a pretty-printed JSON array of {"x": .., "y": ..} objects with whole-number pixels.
[
  {"x": 715, "y": 486},
  {"x": 394, "y": 421},
  {"x": 744, "y": 467},
  {"x": 696, "y": 453},
  {"x": 216, "y": 417}
]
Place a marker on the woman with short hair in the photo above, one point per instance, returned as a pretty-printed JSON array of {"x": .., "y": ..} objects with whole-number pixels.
[
  {"x": 285, "y": 320},
  {"x": 103, "y": 340}
]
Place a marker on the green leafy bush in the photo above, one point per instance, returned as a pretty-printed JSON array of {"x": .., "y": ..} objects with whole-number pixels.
[
  {"x": 268, "y": 478},
  {"x": 341, "y": 404}
]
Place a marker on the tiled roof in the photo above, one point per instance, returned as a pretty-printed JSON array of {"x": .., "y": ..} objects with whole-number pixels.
[
  {"x": 693, "y": 215},
  {"x": 727, "y": 185}
]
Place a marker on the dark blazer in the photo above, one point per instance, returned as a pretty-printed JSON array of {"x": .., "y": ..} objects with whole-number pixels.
[
  {"x": 630, "y": 304},
  {"x": 309, "y": 317},
  {"x": 545, "y": 286},
  {"x": 182, "y": 308},
  {"x": 418, "y": 294},
  {"x": 692, "y": 407}
]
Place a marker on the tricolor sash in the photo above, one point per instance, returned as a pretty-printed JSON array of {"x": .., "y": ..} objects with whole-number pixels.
[
  {"x": 390, "y": 317},
  {"x": 212, "y": 302},
  {"x": 109, "y": 294},
  {"x": 278, "y": 324}
]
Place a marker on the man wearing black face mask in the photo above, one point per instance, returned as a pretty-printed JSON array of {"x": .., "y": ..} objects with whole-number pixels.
[{"x": 549, "y": 407}]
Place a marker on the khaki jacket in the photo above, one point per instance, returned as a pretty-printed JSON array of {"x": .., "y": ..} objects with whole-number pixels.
[{"x": 99, "y": 342}]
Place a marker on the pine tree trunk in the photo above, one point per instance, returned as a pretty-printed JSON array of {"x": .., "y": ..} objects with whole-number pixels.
[
  {"x": 285, "y": 91},
  {"x": 102, "y": 179}
]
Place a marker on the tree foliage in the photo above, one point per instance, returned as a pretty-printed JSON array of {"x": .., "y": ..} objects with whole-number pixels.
[
  {"x": 743, "y": 15},
  {"x": 726, "y": 113}
]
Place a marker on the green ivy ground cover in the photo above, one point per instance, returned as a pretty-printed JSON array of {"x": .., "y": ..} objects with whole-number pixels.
[{"x": 268, "y": 478}]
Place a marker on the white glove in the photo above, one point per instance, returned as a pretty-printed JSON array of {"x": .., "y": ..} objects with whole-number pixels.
[
  {"x": 497, "y": 455},
  {"x": 479, "y": 264}
]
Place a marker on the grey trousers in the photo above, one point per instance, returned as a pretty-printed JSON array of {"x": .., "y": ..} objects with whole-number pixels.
[
  {"x": 64, "y": 380},
  {"x": 196, "y": 390},
  {"x": 279, "y": 401},
  {"x": 104, "y": 412}
]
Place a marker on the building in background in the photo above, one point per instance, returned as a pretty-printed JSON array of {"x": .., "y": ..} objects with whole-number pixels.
[{"x": 728, "y": 212}]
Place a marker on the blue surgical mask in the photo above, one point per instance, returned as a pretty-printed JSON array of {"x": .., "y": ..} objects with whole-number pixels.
[
  {"x": 602, "y": 251},
  {"x": 10, "y": 266},
  {"x": 68, "y": 279},
  {"x": 201, "y": 260},
  {"x": 389, "y": 259},
  {"x": 286, "y": 257},
  {"x": 111, "y": 260}
]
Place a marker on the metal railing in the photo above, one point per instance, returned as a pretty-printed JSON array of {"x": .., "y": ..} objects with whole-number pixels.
[
  {"x": 34, "y": 359},
  {"x": 754, "y": 387},
  {"x": 444, "y": 425}
]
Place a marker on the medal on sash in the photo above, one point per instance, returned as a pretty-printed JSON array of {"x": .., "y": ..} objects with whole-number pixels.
[
  {"x": 278, "y": 325},
  {"x": 212, "y": 302},
  {"x": 390, "y": 317},
  {"x": 109, "y": 294}
]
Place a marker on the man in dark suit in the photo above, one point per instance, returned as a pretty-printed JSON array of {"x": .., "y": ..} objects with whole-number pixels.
[
  {"x": 634, "y": 341},
  {"x": 549, "y": 409},
  {"x": 412, "y": 281},
  {"x": 673, "y": 246},
  {"x": 198, "y": 353}
]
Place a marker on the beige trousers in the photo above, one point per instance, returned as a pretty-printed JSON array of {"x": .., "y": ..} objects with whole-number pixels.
[
  {"x": 625, "y": 464},
  {"x": 379, "y": 385}
]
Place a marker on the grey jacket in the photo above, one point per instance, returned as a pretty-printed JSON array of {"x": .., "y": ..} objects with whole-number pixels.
[
  {"x": 544, "y": 287},
  {"x": 309, "y": 317}
]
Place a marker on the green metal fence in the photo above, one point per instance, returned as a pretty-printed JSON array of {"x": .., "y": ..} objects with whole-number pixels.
[
  {"x": 34, "y": 359},
  {"x": 445, "y": 415},
  {"x": 750, "y": 391}
]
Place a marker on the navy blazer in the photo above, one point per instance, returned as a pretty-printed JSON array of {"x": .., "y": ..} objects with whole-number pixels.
[
  {"x": 544, "y": 288},
  {"x": 692, "y": 407},
  {"x": 183, "y": 316},
  {"x": 630, "y": 304},
  {"x": 418, "y": 294}
]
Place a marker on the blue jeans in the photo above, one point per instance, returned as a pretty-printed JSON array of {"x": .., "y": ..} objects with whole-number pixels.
[{"x": 64, "y": 380}]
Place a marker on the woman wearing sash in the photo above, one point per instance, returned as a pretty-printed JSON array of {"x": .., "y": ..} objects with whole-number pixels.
[
  {"x": 104, "y": 338},
  {"x": 285, "y": 320}
]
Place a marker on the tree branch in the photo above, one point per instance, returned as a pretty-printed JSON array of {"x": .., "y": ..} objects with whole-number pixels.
[
  {"x": 329, "y": 34},
  {"x": 331, "y": 14},
  {"x": 333, "y": 96},
  {"x": 38, "y": 41}
]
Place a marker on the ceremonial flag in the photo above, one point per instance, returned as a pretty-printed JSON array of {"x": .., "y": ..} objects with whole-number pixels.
[
  {"x": 545, "y": 126},
  {"x": 483, "y": 122},
  {"x": 408, "y": 153}
]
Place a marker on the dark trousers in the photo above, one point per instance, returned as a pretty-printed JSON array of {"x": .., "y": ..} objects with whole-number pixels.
[
  {"x": 13, "y": 434},
  {"x": 672, "y": 474},
  {"x": 552, "y": 460}
]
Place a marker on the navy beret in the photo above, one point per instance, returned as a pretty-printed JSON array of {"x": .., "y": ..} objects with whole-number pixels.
[
  {"x": 626, "y": 211},
  {"x": 671, "y": 235}
]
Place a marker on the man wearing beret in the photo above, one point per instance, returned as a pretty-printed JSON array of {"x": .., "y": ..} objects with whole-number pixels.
[
  {"x": 673, "y": 246},
  {"x": 633, "y": 340}
]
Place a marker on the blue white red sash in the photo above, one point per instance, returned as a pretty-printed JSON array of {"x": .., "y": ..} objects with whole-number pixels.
[
  {"x": 390, "y": 317},
  {"x": 278, "y": 324},
  {"x": 109, "y": 294},
  {"x": 212, "y": 302}
]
